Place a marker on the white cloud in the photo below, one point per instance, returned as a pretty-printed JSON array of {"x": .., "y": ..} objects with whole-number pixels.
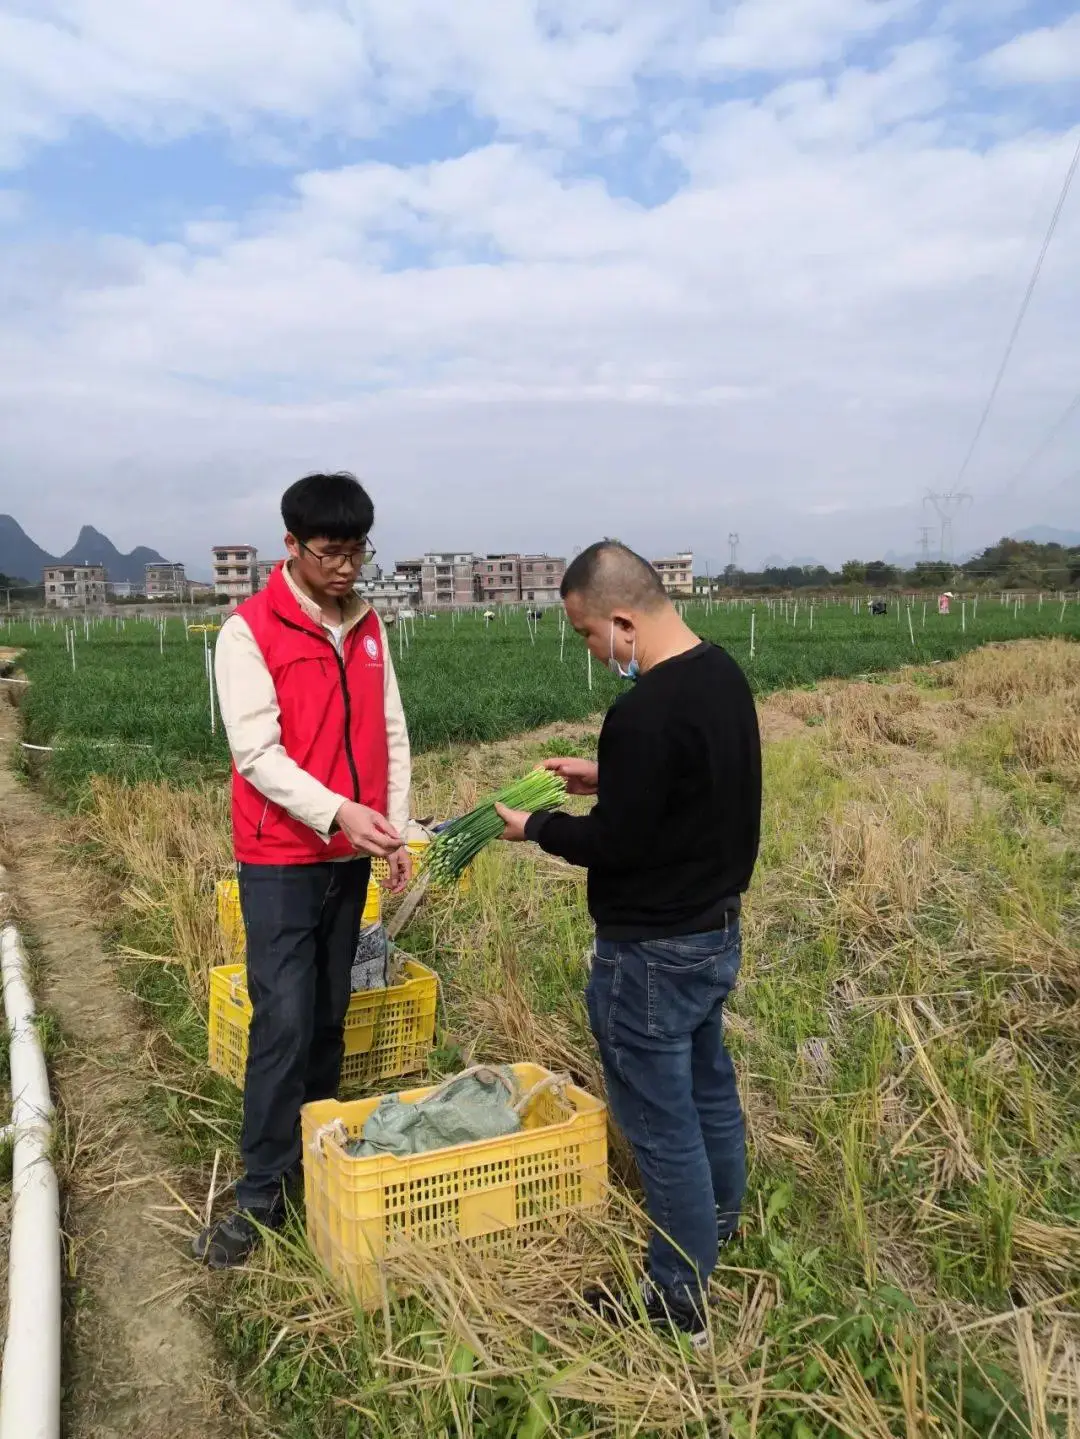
[
  {"x": 155, "y": 72},
  {"x": 862, "y": 104},
  {"x": 1050, "y": 55},
  {"x": 529, "y": 66},
  {"x": 778, "y": 35},
  {"x": 512, "y": 353},
  {"x": 751, "y": 310}
]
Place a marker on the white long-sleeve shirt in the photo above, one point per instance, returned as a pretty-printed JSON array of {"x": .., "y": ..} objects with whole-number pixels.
[{"x": 252, "y": 719}]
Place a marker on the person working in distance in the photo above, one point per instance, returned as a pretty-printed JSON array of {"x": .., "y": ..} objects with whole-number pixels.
[
  {"x": 321, "y": 776},
  {"x": 670, "y": 847}
]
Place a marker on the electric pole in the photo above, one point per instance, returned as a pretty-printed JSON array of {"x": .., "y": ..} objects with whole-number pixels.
[
  {"x": 948, "y": 506},
  {"x": 733, "y": 558}
]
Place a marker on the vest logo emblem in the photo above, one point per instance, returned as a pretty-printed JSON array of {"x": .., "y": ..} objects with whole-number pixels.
[{"x": 371, "y": 648}]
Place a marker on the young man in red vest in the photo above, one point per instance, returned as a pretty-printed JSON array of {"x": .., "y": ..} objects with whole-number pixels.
[{"x": 321, "y": 776}]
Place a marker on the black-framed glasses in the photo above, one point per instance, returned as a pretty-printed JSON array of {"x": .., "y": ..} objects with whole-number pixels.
[{"x": 351, "y": 559}]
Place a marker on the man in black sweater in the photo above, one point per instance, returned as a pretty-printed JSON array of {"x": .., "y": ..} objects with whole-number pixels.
[{"x": 670, "y": 847}]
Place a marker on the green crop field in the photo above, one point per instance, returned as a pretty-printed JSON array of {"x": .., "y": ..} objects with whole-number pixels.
[
  {"x": 904, "y": 1029},
  {"x": 137, "y": 708}
]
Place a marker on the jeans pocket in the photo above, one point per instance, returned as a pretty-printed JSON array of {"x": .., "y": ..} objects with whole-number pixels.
[
  {"x": 682, "y": 993},
  {"x": 599, "y": 992}
]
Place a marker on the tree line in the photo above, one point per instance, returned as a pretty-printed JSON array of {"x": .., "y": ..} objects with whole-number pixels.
[{"x": 1008, "y": 565}]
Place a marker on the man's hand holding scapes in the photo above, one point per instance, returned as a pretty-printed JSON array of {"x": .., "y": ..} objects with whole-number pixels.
[
  {"x": 514, "y": 820},
  {"x": 401, "y": 869},
  {"x": 367, "y": 831},
  {"x": 582, "y": 776}
]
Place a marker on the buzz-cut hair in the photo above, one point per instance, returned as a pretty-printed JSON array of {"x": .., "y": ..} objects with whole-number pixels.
[{"x": 608, "y": 576}]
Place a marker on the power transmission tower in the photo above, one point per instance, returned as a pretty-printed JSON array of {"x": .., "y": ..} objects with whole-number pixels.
[
  {"x": 948, "y": 506},
  {"x": 924, "y": 542}
]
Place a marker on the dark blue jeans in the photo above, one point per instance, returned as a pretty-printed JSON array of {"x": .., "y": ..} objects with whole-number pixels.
[
  {"x": 656, "y": 1008},
  {"x": 302, "y": 923}
]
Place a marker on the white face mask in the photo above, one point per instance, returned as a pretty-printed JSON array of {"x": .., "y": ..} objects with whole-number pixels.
[{"x": 633, "y": 669}]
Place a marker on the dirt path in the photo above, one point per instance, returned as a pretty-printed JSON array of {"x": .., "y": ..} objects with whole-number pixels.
[{"x": 138, "y": 1361}]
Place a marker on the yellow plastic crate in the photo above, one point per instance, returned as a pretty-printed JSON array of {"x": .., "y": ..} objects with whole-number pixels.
[
  {"x": 492, "y": 1194},
  {"x": 231, "y": 921},
  {"x": 419, "y": 848},
  {"x": 388, "y": 1032}
]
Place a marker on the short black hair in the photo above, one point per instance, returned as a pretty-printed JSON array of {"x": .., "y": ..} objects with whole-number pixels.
[
  {"x": 609, "y": 574},
  {"x": 331, "y": 507}
]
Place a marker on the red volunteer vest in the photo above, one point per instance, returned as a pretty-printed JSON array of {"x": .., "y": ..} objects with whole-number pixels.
[{"x": 333, "y": 724}]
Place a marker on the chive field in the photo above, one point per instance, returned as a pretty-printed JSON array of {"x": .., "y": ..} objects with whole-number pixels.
[
  {"x": 905, "y": 1032},
  {"x": 135, "y": 702},
  {"x": 904, "y": 1028}
]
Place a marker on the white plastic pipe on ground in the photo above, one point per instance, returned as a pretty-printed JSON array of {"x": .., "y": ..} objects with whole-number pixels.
[{"x": 30, "y": 1384}]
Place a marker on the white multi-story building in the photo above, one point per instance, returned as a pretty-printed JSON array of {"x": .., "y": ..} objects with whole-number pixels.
[
  {"x": 412, "y": 570},
  {"x": 493, "y": 579},
  {"x": 677, "y": 573},
  {"x": 69, "y": 587},
  {"x": 498, "y": 579},
  {"x": 447, "y": 580},
  {"x": 165, "y": 582},
  {"x": 263, "y": 570},
  {"x": 541, "y": 578},
  {"x": 390, "y": 593},
  {"x": 236, "y": 573}
]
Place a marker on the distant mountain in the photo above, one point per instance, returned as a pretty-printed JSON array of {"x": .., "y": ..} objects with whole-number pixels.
[
  {"x": 1047, "y": 535},
  {"x": 779, "y": 562},
  {"x": 94, "y": 548},
  {"x": 21, "y": 558}
]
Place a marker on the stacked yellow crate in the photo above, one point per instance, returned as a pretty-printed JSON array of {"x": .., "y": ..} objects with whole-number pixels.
[
  {"x": 231, "y": 921},
  {"x": 388, "y": 1032}
]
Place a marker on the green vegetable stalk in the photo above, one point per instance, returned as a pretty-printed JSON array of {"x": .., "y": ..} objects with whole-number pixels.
[{"x": 462, "y": 840}]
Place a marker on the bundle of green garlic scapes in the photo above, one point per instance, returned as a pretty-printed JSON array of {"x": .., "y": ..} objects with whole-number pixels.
[{"x": 463, "y": 838}]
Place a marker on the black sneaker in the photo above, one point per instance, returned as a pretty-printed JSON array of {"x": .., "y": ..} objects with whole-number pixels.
[
  {"x": 232, "y": 1240},
  {"x": 663, "y": 1311}
]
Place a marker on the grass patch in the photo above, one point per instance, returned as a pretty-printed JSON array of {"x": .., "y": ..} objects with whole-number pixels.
[{"x": 905, "y": 1029}]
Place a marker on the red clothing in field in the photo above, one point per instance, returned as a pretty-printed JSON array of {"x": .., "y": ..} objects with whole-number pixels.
[{"x": 333, "y": 724}]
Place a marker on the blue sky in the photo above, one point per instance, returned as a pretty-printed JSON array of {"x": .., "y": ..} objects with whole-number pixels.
[{"x": 536, "y": 269}]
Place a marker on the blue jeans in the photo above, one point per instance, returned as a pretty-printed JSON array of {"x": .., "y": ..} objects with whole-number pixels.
[
  {"x": 302, "y": 923},
  {"x": 656, "y": 1008}
]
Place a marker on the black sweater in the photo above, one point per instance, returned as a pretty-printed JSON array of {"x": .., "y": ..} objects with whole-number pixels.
[{"x": 672, "y": 840}]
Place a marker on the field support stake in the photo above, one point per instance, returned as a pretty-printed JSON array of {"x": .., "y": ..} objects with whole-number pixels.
[{"x": 30, "y": 1386}]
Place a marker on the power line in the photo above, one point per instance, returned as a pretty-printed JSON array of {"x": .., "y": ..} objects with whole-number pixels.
[
  {"x": 1046, "y": 441},
  {"x": 1069, "y": 174}
]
